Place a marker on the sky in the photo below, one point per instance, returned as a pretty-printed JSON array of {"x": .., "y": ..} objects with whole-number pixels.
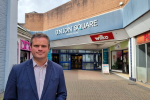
[{"x": 40, "y": 6}]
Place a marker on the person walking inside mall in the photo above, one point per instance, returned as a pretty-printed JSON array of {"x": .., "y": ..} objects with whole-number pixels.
[{"x": 37, "y": 78}]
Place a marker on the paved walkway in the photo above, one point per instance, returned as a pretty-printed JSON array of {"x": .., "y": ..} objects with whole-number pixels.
[
  {"x": 126, "y": 76},
  {"x": 1, "y": 96},
  {"x": 93, "y": 85}
]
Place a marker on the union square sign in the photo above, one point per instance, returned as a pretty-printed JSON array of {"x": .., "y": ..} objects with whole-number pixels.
[{"x": 77, "y": 27}]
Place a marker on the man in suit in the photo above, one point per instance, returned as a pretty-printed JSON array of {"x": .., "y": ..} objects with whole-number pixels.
[{"x": 37, "y": 78}]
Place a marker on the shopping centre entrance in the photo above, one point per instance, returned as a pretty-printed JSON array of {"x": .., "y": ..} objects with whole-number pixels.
[
  {"x": 76, "y": 61},
  {"x": 55, "y": 58}
]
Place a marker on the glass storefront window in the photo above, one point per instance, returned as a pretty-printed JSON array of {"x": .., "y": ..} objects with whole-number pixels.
[
  {"x": 100, "y": 51},
  {"x": 73, "y": 51},
  {"x": 81, "y": 51},
  {"x": 97, "y": 51},
  {"x": 125, "y": 63},
  {"x": 63, "y": 51},
  {"x": 88, "y": 66},
  {"x": 89, "y": 51},
  {"x": 97, "y": 58},
  {"x": 148, "y": 63},
  {"x": 65, "y": 65},
  {"x": 70, "y": 51},
  {"x": 88, "y": 58},
  {"x": 98, "y": 65},
  {"x": 24, "y": 55},
  {"x": 55, "y": 51},
  {"x": 117, "y": 60},
  {"x": 55, "y": 58},
  {"x": 141, "y": 63},
  {"x": 64, "y": 57}
]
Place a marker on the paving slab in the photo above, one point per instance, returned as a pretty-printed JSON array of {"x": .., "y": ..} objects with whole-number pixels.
[
  {"x": 93, "y": 85},
  {"x": 1, "y": 96}
]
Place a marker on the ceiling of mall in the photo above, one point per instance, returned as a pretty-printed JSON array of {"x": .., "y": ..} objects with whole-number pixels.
[{"x": 97, "y": 45}]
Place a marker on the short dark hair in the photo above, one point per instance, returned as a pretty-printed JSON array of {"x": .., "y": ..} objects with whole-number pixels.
[{"x": 39, "y": 35}]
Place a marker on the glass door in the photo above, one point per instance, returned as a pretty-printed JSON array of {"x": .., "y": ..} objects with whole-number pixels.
[
  {"x": 148, "y": 63},
  {"x": 76, "y": 61},
  {"x": 98, "y": 61},
  {"x": 55, "y": 58},
  {"x": 125, "y": 63}
]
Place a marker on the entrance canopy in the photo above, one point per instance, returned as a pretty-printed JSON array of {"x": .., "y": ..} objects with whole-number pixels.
[{"x": 86, "y": 42}]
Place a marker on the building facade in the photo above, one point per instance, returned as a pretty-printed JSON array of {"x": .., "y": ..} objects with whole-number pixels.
[
  {"x": 23, "y": 45},
  {"x": 88, "y": 33},
  {"x": 8, "y": 37}
]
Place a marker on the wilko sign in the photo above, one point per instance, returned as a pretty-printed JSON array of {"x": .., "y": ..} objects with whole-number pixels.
[{"x": 101, "y": 37}]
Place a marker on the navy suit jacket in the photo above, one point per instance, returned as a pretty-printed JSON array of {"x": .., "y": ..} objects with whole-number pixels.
[{"x": 21, "y": 84}]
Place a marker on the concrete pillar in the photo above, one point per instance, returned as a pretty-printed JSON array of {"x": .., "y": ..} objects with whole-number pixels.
[
  {"x": 8, "y": 38},
  {"x": 109, "y": 54},
  {"x": 132, "y": 59},
  {"x": 3, "y": 28}
]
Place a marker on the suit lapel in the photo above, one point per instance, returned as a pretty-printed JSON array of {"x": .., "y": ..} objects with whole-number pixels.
[
  {"x": 47, "y": 78},
  {"x": 31, "y": 76}
]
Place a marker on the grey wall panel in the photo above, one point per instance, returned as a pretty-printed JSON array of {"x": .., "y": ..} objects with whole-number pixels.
[
  {"x": 133, "y": 10},
  {"x": 3, "y": 30},
  {"x": 149, "y": 3},
  {"x": 11, "y": 37}
]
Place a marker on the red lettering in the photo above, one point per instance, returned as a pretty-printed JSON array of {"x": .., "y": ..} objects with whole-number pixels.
[{"x": 146, "y": 37}]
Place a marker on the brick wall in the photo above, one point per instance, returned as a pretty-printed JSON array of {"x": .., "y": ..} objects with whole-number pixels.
[
  {"x": 72, "y": 11},
  {"x": 3, "y": 28},
  {"x": 33, "y": 21}
]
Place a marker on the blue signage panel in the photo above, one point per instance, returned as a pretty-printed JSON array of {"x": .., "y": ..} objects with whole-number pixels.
[
  {"x": 49, "y": 55},
  {"x": 105, "y": 22},
  {"x": 101, "y": 23},
  {"x": 105, "y": 56}
]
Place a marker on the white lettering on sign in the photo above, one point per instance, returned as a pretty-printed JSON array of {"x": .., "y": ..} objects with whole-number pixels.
[
  {"x": 101, "y": 37},
  {"x": 64, "y": 30},
  {"x": 77, "y": 27}
]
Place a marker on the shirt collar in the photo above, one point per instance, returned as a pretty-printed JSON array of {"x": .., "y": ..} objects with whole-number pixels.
[{"x": 35, "y": 64}]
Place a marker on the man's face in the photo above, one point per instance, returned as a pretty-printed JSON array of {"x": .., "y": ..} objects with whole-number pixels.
[{"x": 40, "y": 48}]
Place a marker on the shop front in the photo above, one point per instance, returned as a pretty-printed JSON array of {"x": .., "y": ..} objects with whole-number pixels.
[
  {"x": 78, "y": 59},
  {"x": 143, "y": 57},
  {"x": 119, "y": 57},
  {"x": 25, "y": 53}
]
